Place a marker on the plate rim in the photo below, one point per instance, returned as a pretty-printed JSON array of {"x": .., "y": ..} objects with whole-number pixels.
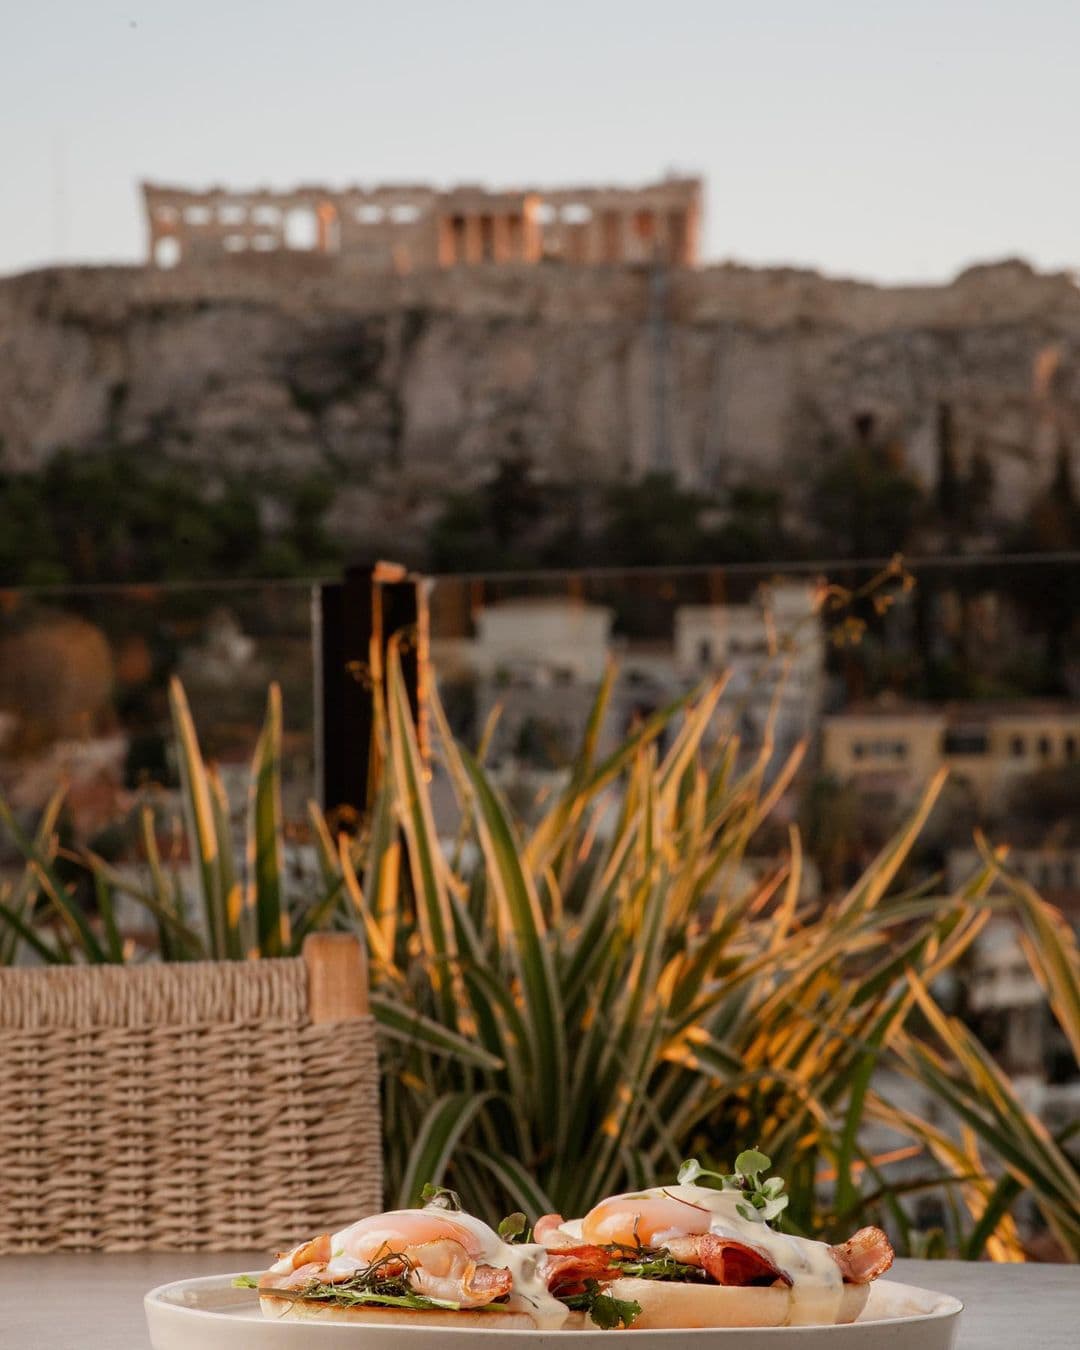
[{"x": 953, "y": 1307}]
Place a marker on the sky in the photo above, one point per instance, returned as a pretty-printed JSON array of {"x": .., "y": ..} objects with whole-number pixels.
[{"x": 893, "y": 141}]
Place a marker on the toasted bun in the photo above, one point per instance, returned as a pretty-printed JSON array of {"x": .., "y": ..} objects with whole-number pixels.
[
  {"x": 667, "y": 1303},
  {"x": 311, "y": 1310}
]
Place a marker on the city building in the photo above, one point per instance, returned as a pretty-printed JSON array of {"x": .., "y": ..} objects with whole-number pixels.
[
  {"x": 892, "y": 749},
  {"x": 774, "y": 653},
  {"x": 402, "y": 228},
  {"x": 541, "y": 660}
]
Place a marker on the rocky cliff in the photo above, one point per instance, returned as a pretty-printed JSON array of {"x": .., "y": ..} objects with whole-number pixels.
[{"x": 405, "y": 386}]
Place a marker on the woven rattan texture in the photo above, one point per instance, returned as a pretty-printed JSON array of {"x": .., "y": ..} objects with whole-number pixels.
[{"x": 187, "y": 1107}]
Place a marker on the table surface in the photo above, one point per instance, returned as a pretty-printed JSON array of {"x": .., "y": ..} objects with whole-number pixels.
[{"x": 93, "y": 1301}]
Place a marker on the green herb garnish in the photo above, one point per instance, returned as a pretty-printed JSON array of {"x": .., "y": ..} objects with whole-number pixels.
[
  {"x": 657, "y": 1263},
  {"x": 765, "y": 1199},
  {"x": 607, "y": 1312},
  {"x": 440, "y": 1197},
  {"x": 344, "y": 1296},
  {"x": 515, "y": 1228},
  {"x": 245, "y": 1282}
]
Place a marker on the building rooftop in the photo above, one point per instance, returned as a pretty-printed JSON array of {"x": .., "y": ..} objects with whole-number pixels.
[{"x": 970, "y": 711}]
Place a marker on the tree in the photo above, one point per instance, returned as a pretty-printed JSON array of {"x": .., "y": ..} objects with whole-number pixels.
[
  {"x": 126, "y": 515},
  {"x": 498, "y": 527},
  {"x": 754, "y": 529},
  {"x": 949, "y": 494},
  {"x": 979, "y": 489},
  {"x": 653, "y": 521},
  {"x": 863, "y": 505}
]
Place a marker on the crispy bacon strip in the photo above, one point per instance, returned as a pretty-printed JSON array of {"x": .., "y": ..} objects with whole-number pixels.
[
  {"x": 861, "y": 1259},
  {"x": 864, "y": 1257},
  {"x": 724, "y": 1260},
  {"x": 485, "y": 1283},
  {"x": 571, "y": 1262},
  {"x": 568, "y": 1268}
]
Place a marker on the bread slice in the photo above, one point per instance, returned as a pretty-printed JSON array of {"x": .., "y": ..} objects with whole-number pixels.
[
  {"x": 313, "y": 1310},
  {"x": 667, "y": 1304}
]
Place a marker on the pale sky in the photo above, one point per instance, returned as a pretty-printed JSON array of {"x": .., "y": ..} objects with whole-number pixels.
[{"x": 896, "y": 141}]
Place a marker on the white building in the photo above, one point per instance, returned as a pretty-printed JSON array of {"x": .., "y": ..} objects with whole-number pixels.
[
  {"x": 774, "y": 653},
  {"x": 543, "y": 659}
]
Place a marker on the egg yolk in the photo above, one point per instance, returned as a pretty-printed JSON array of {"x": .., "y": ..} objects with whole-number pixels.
[{"x": 643, "y": 1220}]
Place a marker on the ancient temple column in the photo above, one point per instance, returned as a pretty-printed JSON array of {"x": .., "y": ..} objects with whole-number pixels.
[
  {"x": 502, "y": 248},
  {"x": 446, "y": 243},
  {"x": 474, "y": 240},
  {"x": 661, "y": 240},
  {"x": 532, "y": 232},
  {"x": 612, "y": 235},
  {"x": 515, "y": 238},
  {"x": 676, "y": 238},
  {"x": 594, "y": 245},
  {"x": 325, "y": 223}
]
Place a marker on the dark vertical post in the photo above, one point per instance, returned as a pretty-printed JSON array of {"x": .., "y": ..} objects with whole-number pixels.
[{"x": 355, "y": 620}]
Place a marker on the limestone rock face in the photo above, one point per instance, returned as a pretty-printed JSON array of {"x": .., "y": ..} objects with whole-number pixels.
[{"x": 407, "y": 386}]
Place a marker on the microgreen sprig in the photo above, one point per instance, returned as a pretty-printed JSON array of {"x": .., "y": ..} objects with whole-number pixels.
[
  {"x": 440, "y": 1197},
  {"x": 765, "y": 1199},
  {"x": 603, "y": 1309},
  {"x": 515, "y": 1228}
]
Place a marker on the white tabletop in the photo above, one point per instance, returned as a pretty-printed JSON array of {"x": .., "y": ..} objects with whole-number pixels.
[{"x": 94, "y": 1301}]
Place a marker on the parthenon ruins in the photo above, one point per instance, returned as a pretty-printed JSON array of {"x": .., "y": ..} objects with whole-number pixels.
[{"x": 404, "y": 228}]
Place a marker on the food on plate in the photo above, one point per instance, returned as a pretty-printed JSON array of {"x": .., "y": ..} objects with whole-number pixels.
[
  {"x": 438, "y": 1266},
  {"x": 705, "y": 1256}
]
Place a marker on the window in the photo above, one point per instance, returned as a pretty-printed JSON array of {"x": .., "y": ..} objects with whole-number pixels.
[
  {"x": 966, "y": 741},
  {"x": 370, "y": 214},
  {"x": 404, "y": 214},
  {"x": 167, "y": 252},
  {"x": 1070, "y": 747},
  {"x": 197, "y": 215},
  {"x": 704, "y": 652},
  {"x": 1017, "y": 747},
  {"x": 1044, "y": 746},
  {"x": 858, "y": 749},
  {"x": 576, "y": 213},
  {"x": 301, "y": 228}
]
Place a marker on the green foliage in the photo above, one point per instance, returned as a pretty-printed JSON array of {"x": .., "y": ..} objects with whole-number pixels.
[
  {"x": 865, "y": 505},
  {"x": 605, "y": 1310},
  {"x": 516, "y": 521},
  {"x": 765, "y": 1199},
  {"x": 128, "y": 515},
  {"x": 572, "y": 1007}
]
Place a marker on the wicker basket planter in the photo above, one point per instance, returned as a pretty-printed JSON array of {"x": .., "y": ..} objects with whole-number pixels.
[{"x": 209, "y": 1106}]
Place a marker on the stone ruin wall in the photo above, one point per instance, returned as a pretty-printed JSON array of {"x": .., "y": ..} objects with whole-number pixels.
[
  {"x": 405, "y": 386},
  {"x": 401, "y": 229}
]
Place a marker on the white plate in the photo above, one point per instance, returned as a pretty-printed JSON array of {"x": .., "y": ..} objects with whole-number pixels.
[{"x": 209, "y": 1314}]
